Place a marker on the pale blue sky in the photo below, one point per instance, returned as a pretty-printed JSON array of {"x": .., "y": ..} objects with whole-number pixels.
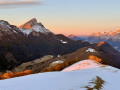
[{"x": 68, "y": 16}]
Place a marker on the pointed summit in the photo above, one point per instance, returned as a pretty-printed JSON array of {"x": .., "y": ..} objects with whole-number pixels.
[
  {"x": 33, "y": 21},
  {"x": 29, "y": 24},
  {"x": 33, "y": 25}
]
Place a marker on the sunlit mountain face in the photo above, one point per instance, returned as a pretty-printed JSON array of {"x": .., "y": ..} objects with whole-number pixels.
[{"x": 33, "y": 25}]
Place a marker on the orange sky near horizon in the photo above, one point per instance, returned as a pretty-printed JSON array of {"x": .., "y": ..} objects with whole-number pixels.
[
  {"x": 67, "y": 28},
  {"x": 79, "y": 17}
]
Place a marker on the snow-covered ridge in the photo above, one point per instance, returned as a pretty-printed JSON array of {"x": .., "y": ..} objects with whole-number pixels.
[
  {"x": 110, "y": 33},
  {"x": 85, "y": 64},
  {"x": 99, "y": 78},
  {"x": 5, "y": 26}
]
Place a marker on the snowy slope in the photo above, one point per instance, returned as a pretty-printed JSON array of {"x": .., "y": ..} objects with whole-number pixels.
[
  {"x": 86, "y": 64},
  {"x": 26, "y": 31},
  {"x": 6, "y": 27},
  {"x": 105, "y": 77}
]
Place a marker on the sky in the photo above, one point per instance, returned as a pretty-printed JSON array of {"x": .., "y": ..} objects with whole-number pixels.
[{"x": 79, "y": 17}]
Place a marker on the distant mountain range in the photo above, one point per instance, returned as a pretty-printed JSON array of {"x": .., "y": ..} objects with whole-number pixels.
[{"x": 112, "y": 38}]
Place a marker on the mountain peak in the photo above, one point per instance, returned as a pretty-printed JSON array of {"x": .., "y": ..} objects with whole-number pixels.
[
  {"x": 29, "y": 24},
  {"x": 2, "y": 22},
  {"x": 4, "y": 25},
  {"x": 33, "y": 20},
  {"x": 33, "y": 25}
]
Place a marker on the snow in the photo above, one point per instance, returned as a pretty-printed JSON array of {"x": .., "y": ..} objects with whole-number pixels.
[
  {"x": 90, "y": 50},
  {"x": 14, "y": 31},
  {"x": 36, "y": 28},
  {"x": 2, "y": 23},
  {"x": 71, "y": 80},
  {"x": 85, "y": 64},
  {"x": 63, "y": 41},
  {"x": 57, "y": 62},
  {"x": 26, "y": 31},
  {"x": 39, "y": 28},
  {"x": 5, "y": 26},
  {"x": 9, "y": 26},
  {"x": 58, "y": 55}
]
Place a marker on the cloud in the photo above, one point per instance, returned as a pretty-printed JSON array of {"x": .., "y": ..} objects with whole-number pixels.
[{"x": 16, "y": 3}]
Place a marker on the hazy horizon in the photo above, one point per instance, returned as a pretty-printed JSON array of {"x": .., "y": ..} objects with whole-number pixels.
[{"x": 81, "y": 17}]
